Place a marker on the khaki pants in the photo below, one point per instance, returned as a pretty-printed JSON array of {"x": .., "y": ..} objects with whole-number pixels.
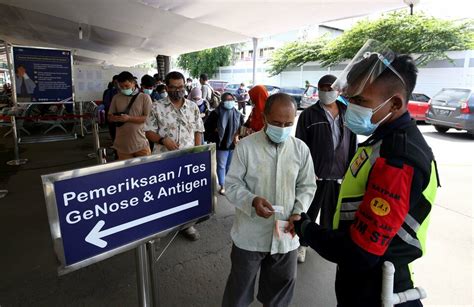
[{"x": 124, "y": 156}]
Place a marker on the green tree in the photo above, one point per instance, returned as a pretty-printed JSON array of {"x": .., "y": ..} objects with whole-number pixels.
[
  {"x": 205, "y": 61},
  {"x": 296, "y": 54},
  {"x": 428, "y": 37}
]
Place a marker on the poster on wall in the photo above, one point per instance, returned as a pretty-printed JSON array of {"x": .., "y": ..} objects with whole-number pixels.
[{"x": 42, "y": 75}]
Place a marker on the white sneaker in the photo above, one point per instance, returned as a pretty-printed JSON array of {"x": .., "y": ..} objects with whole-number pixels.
[
  {"x": 222, "y": 190},
  {"x": 301, "y": 254}
]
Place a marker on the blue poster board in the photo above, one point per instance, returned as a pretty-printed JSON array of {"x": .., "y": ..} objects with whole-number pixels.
[
  {"x": 42, "y": 75},
  {"x": 107, "y": 209}
]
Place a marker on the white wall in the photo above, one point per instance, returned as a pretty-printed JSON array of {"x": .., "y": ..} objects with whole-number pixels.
[
  {"x": 431, "y": 78},
  {"x": 90, "y": 81}
]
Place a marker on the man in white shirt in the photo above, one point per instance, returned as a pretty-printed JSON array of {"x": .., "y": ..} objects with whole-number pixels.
[{"x": 270, "y": 182}]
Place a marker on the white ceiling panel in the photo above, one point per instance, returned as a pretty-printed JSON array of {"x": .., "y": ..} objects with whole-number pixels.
[{"x": 128, "y": 32}]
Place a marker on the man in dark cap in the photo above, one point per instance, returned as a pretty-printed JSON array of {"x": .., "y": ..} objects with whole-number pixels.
[{"x": 321, "y": 127}]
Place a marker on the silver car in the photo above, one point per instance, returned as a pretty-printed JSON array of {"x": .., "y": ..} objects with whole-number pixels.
[{"x": 452, "y": 108}]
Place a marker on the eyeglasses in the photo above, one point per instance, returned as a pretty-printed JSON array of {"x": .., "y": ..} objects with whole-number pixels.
[{"x": 174, "y": 88}]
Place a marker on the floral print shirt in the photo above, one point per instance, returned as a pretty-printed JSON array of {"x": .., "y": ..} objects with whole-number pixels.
[{"x": 178, "y": 124}]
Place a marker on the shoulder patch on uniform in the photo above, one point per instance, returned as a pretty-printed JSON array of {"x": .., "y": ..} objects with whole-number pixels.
[
  {"x": 358, "y": 162},
  {"x": 384, "y": 207},
  {"x": 380, "y": 206}
]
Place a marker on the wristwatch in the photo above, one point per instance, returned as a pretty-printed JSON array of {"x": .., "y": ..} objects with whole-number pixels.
[{"x": 161, "y": 140}]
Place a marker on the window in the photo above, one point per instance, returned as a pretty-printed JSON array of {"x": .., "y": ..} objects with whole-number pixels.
[
  {"x": 250, "y": 53},
  {"x": 261, "y": 52},
  {"x": 242, "y": 55}
]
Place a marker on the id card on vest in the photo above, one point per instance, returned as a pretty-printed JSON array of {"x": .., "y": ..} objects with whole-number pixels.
[{"x": 358, "y": 162}]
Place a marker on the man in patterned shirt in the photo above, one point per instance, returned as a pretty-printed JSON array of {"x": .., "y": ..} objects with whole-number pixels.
[{"x": 175, "y": 123}]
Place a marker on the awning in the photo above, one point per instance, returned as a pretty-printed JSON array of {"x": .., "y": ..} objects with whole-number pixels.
[{"x": 129, "y": 32}]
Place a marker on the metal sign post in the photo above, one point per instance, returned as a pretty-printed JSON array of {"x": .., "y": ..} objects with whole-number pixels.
[
  {"x": 143, "y": 277},
  {"x": 17, "y": 160},
  {"x": 99, "y": 152}
]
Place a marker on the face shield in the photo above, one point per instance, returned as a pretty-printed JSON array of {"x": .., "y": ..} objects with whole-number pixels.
[{"x": 366, "y": 66}]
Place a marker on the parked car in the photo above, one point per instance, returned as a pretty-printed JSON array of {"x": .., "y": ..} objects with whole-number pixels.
[
  {"x": 309, "y": 97},
  {"x": 218, "y": 85},
  {"x": 231, "y": 88},
  {"x": 452, "y": 108},
  {"x": 271, "y": 89},
  {"x": 418, "y": 106},
  {"x": 295, "y": 92}
]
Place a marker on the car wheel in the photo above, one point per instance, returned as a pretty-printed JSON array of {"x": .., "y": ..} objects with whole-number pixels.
[{"x": 441, "y": 129}]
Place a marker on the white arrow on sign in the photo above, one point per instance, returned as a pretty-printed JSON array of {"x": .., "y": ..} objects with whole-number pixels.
[{"x": 95, "y": 235}]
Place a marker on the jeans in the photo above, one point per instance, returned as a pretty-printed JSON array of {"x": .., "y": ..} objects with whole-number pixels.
[{"x": 223, "y": 163}]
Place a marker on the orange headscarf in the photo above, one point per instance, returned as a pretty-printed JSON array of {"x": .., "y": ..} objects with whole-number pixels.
[{"x": 258, "y": 94}]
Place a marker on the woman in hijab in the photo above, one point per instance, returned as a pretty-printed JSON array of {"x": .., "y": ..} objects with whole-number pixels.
[
  {"x": 258, "y": 96},
  {"x": 222, "y": 127},
  {"x": 196, "y": 96}
]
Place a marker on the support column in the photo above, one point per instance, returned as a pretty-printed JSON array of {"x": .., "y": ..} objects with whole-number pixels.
[{"x": 254, "y": 59}]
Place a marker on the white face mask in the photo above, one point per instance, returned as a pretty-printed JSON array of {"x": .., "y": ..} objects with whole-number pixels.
[{"x": 328, "y": 97}]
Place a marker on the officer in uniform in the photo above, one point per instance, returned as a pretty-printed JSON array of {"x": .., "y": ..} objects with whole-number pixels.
[{"x": 390, "y": 186}]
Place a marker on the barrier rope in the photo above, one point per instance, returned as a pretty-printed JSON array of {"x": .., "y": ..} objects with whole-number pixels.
[{"x": 46, "y": 117}]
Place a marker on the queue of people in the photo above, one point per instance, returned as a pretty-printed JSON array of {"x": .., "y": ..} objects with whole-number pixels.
[{"x": 373, "y": 199}]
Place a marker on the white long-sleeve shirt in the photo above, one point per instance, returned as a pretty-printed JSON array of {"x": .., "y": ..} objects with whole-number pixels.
[{"x": 283, "y": 174}]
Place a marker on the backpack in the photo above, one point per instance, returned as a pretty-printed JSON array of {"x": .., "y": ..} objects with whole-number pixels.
[{"x": 215, "y": 98}]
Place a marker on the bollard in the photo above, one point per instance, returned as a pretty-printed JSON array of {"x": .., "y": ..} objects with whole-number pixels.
[
  {"x": 389, "y": 299},
  {"x": 388, "y": 274}
]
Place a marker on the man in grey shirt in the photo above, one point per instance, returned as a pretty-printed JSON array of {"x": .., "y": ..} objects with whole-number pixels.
[{"x": 205, "y": 87}]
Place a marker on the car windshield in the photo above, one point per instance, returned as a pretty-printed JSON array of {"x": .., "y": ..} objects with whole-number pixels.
[
  {"x": 311, "y": 91},
  {"x": 451, "y": 97}
]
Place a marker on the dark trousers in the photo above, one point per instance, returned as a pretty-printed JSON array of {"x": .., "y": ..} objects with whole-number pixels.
[
  {"x": 242, "y": 105},
  {"x": 325, "y": 201},
  {"x": 276, "y": 283},
  {"x": 112, "y": 129}
]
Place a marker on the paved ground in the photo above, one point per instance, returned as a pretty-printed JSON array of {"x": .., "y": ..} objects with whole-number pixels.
[{"x": 194, "y": 273}]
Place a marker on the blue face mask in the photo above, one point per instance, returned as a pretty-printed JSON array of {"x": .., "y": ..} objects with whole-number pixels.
[
  {"x": 147, "y": 91},
  {"x": 127, "y": 92},
  {"x": 228, "y": 104},
  {"x": 163, "y": 95},
  {"x": 278, "y": 134},
  {"x": 358, "y": 118}
]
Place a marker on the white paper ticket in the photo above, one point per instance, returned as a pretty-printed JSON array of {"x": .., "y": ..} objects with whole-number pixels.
[{"x": 278, "y": 209}]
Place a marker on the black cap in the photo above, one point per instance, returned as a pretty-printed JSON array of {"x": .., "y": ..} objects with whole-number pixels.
[
  {"x": 125, "y": 76},
  {"x": 327, "y": 79}
]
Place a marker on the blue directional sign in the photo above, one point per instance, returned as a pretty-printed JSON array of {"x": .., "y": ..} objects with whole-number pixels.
[{"x": 107, "y": 209}]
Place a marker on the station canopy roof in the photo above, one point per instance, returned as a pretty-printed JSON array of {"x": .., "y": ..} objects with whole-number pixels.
[{"x": 129, "y": 32}]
